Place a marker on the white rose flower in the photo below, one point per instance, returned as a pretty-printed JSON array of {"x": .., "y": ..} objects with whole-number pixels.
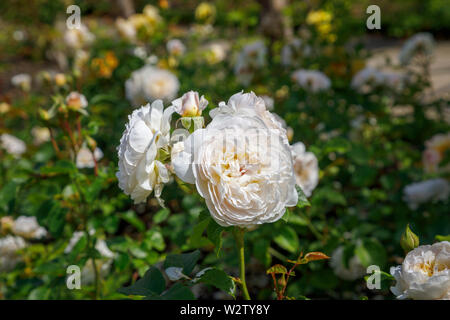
[
  {"x": 251, "y": 58},
  {"x": 354, "y": 270},
  {"x": 311, "y": 80},
  {"x": 151, "y": 83},
  {"x": 9, "y": 246},
  {"x": 435, "y": 151},
  {"x": 76, "y": 100},
  {"x": 22, "y": 81},
  {"x": 216, "y": 51},
  {"x": 421, "y": 43},
  {"x": 78, "y": 37},
  {"x": 190, "y": 105},
  {"x": 88, "y": 273},
  {"x": 417, "y": 193},
  {"x": 85, "y": 157},
  {"x": 424, "y": 274},
  {"x": 126, "y": 29},
  {"x": 12, "y": 145},
  {"x": 28, "y": 228},
  {"x": 146, "y": 133},
  {"x": 175, "y": 47},
  {"x": 40, "y": 135},
  {"x": 306, "y": 168},
  {"x": 366, "y": 79},
  {"x": 240, "y": 165}
]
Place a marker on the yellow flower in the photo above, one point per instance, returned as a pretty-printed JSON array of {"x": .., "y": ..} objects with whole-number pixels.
[
  {"x": 318, "y": 17},
  {"x": 205, "y": 12}
]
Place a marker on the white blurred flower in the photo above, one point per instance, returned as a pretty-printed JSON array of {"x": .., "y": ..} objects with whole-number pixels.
[
  {"x": 12, "y": 145},
  {"x": 28, "y": 228},
  {"x": 435, "y": 151},
  {"x": 85, "y": 158},
  {"x": 126, "y": 29},
  {"x": 146, "y": 134},
  {"x": 22, "y": 81},
  {"x": 88, "y": 273},
  {"x": 78, "y": 38},
  {"x": 76, "y": 100},
  {"x": 190, "y": 104},
  {"x": 421, "y": 43},
  {"x": 311, "y": 80},
  {"x": 366, "y": 79},
  {"x": 175, "y": 273},
  {"x": 216, "y": 51},
  {"x": 9, "y": 246},
  {"x": 424, "y": 274},
  {"x": 40, "y": 135},
  {"x": 175, "y": 47},
  {"x": 425, "y": 191},
  {"x": 269, "y": 102},
  {"x": 353, "y": 271},
  {"x": 251, "y": 58},
  {"x": 306, "y": 168},
  {"x": 149, "y": 84},
  {"x": 240, "y": 165}
]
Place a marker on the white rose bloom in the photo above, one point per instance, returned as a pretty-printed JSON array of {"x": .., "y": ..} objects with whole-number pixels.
[
  {"x": 40, "y": 135},
  {"x": 190, "y": 104},
  {"x": 22, "y": 80},
  {"x": 354, "y": 270},
  {"x": 151, "y": 83},
  {"x": 239, "y": 164},
  {"x": 126, "y": 29},
  {"x": 417, "y": 193},
  {"x": 12, "y": 145},
  {"x": 85, "y": 157},
  {"x": 366, "y": 79},
  {"x": 88, "y": 273},
  {"x": 8, "y": 248},
  {"x": 435, "y": 151},
  {"x": 421, "y": 43},
  {"x": 251, "y": 58},
  {"x": 147, "y": 131},
  {"x": 394, "y": 80},
  {"x": 28, "y": 228},
  {"x": 175, "y": 47},
  {"x": 76, "y": 100},
  {"x": 424, "y": 274},
  {"x": 306, "y": 168},
  {"x": 311, "y": 80},
  {"x": 216, "y": 51},
  {"x": 78, "y": 37}
]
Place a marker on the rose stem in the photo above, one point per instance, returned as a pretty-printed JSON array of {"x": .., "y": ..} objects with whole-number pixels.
[{"x": 239, "y": 236}]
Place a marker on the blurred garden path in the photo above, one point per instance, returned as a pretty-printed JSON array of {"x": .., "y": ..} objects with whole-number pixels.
[{"x": 440, "y": 65}]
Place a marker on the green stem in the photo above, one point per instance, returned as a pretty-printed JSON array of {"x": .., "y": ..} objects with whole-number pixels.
[{"x": 239, "y": 236}]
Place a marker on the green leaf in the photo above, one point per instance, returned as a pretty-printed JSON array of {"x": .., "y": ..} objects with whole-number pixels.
[
  {"x": 150, "y": 284},
  {"x": 302, "y": 200},
  {"x": 287, "y": 239},
  {"x": 218, "y": 279},
  {"x": 186, "y": 261},
  {"x": 338, "y": 144},
  {"x": 57, "y": 219},
  {"x": 131, "y": 217},
  {"x": 7, "y": 194},
  {"x": 178, "y": 292},
  {"x": 196, "y": 239},
  {"x": 443, "y": 238},
  {"x": 371, "y": 252},
  {"x": 277, "y": 269},
  {"x": 285, "y": 216},
  {"x": 60, "y": 167},
  {"x": 161, "y": 216}
]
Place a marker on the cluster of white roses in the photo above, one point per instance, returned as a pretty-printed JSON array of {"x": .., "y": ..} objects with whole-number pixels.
[
  {"x": 241, "y": 163},
  {"x": 19, "y": 230}
]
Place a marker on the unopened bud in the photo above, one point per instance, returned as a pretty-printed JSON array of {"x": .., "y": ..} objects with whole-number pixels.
[{"x": 409, "y": 240}]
